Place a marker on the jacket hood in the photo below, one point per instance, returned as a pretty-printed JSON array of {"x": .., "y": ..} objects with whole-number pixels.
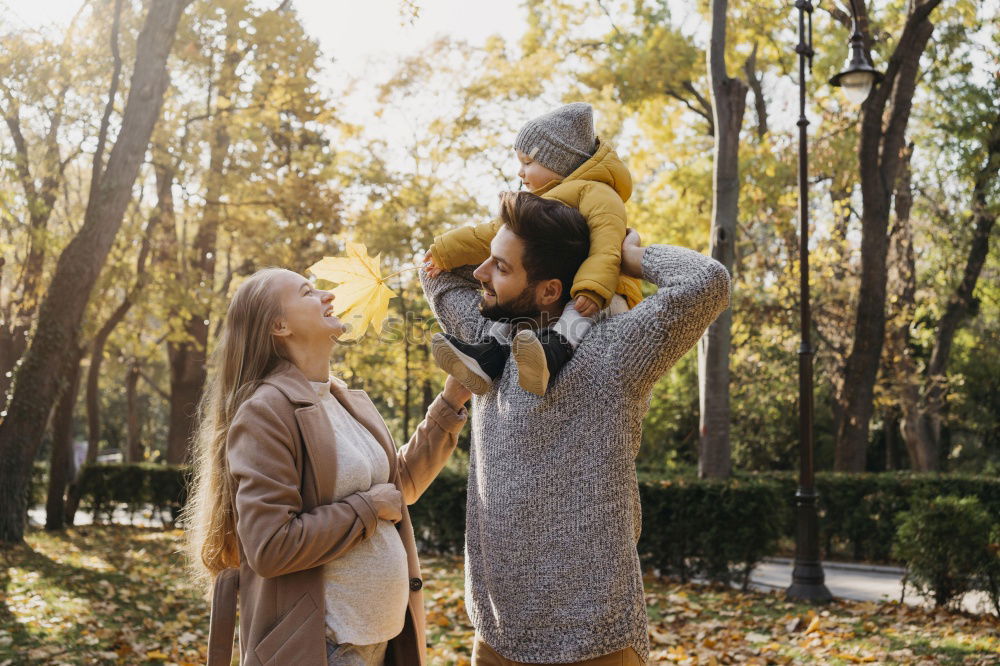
[{"x": 605, "y": 167}]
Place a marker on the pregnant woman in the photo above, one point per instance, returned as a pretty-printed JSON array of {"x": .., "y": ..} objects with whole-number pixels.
[{"x": 300, "y": 494}]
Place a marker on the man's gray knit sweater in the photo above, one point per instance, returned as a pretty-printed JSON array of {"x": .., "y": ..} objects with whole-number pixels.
[{"x": 551, "y": 568}]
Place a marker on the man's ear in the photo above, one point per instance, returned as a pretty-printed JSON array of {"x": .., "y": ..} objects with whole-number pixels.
[{"x": 548, "y": 291}]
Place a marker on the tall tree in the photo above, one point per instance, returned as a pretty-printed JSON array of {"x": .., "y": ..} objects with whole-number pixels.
[
  {"x": 922, "y": 384},
  {"x": 258, "y": 119},
  {"x": 62, "y": 444},
  {"x": 884, "y": 119},
  {"x": 728, "y": 104},
  {"x": 36, "y": 75},
  {"x": 188, "y": 357},
  {"x": 62, "y": 308}
]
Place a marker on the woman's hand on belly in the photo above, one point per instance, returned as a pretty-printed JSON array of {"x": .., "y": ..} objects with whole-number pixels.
[{"x": 387, "y": 500}]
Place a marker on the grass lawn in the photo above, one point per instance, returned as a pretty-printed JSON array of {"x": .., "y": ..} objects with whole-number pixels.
[{"x": 119, "y": 595}]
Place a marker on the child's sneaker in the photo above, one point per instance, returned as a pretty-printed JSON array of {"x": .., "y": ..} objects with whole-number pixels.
[
  {"x": 539, "y": 356},
  {"x": 474, "y": 365}
]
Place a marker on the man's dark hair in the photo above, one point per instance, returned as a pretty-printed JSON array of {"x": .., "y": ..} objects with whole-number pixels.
[{"x": 556, "y": 237}]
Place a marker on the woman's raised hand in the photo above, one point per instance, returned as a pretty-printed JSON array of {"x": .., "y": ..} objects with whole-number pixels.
[
  {"x": 388, "y": 501},
  {"x": 455, "y": 393}
]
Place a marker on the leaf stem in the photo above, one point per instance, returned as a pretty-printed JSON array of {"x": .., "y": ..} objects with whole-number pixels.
[{"x": 403, "y": 270}]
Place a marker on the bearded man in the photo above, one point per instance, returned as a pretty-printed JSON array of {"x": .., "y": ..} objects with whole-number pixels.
[{"x": 553, "y": 513}]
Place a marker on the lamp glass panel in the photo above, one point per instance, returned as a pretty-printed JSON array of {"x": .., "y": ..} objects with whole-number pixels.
[{"x": 856, "y": 86}]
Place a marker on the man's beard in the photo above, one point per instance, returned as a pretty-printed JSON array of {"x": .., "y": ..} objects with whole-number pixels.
[{"x": 521, "y": 307}]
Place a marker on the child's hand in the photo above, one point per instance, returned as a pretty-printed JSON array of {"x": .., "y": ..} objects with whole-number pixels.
[
  {"x": 432, "y": 269},
  {"x": 585, "y": 306},
  {"x": 632, "y": 252}
]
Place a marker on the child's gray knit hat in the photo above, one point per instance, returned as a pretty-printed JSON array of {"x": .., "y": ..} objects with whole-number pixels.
[{"x": 560, "y": 140}]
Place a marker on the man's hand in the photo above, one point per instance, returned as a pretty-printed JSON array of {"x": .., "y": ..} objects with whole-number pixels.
[
  {"x": 632, "y": 252},
  {"x": 432, "y": 269},
  {"x": 585, "y": 306},
  {"x": 455, "y": 393},
  {"x": 388, "y": 501}
]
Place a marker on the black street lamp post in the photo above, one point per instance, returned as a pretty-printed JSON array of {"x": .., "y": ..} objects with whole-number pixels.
[
  {"x": 807, "y": 576},
  {"x": 856, "y": 81}
]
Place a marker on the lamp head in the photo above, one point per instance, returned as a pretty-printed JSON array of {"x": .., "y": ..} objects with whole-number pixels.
[{"x": 860, "y": 76}]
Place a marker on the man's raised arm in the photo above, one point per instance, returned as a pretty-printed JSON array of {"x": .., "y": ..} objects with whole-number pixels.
[
  {"x": 454, "y": 300},
  {"x": 693, "y": 290}
]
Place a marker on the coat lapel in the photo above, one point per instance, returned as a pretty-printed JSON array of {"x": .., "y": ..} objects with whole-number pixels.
[
  {"x": 317, "y": 433},
  {"x": 318, "y": 437},
  {"x": 321, "y": 447}
]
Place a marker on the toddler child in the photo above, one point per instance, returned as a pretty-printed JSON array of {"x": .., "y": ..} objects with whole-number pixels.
[{"x": 561, "y": 158}]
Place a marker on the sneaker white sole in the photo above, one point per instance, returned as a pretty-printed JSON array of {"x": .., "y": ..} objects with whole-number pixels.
[
  {"x": 460, "y": 366},
  {"x": 532, "y": 368}
]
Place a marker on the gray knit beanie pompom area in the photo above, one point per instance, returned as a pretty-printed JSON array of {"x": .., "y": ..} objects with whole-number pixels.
[{"x": 560, "y": 140}]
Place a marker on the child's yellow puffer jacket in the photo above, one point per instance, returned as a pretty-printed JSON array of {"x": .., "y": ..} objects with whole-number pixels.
[{"x": 599, "y": 189}]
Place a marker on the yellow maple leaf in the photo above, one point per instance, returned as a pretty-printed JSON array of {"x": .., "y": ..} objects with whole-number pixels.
[{"x": 361, "y": 298}]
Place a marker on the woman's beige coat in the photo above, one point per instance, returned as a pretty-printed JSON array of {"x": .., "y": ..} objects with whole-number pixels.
[{"x": 281, "y": 450}]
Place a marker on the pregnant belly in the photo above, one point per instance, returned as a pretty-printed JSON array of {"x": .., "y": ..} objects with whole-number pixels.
[{"x": 367, "y": 589}]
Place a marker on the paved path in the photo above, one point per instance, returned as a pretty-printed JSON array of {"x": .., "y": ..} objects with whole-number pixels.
[
  {"x": 145, "y": 518},
  {"x": 860, "y": 582}
]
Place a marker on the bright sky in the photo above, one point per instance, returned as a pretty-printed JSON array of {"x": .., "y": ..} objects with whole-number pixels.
[
  {"x": 360, "y": 40},
  {"x": 354, "y": 34}
]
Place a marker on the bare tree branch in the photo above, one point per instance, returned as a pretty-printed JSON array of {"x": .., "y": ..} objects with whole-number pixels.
[
  {"x": 755, "y": 83},
  {"x": 703, "y": 109},
  {"x": 102, "y": 135},
  {"x": 611, "y": 20}
]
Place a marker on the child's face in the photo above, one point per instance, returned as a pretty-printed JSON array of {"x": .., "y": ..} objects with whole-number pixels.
[{"x": 533, "y": 174}]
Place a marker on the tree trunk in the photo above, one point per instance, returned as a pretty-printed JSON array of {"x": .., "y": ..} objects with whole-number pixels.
[
  {"x": 879, "y": 154},
  {"x": 891, "y": 417},
  {"x": 40, "y": 199},
  {"x": 12, "y": 345},
  {"x": 133, "y": 447},
  {"x": 728, "y": 104},
  {"x": 925, "y": 397},
  {"x": 899, "y": 364},
  {"x": 188, "y": 359},
  {"x": 78, "y": 267},
  {"x": 187, "y": 376},
  {"x": 62, "y": 446},
  {"x": 163, "y": 212}
]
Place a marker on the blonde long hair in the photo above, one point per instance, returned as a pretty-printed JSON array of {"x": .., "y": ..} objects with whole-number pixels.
[{"x": 244, "y": 355}]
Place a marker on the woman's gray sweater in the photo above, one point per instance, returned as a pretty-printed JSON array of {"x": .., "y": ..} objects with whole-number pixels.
[{"x": 551, "y": 568}]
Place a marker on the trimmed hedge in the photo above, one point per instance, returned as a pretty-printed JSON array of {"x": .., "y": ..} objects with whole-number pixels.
[
  {"x": 859, "y": 513},
  {"x": 713, "y": 529},
  {"x": 104, "y": 487},
  {"x": 717, "y": 530}
]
